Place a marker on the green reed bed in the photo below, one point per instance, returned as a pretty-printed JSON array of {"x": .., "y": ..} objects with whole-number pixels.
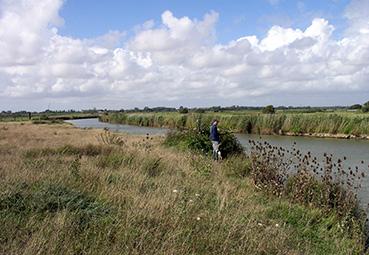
[{"x": 254, "y": 122}]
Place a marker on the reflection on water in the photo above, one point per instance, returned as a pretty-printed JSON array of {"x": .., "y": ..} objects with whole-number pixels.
[
  {"x": 95, "y": 123},
  {"x": 355, "y": 151}
]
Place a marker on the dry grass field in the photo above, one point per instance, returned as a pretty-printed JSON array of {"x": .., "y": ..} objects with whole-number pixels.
[{"x": 65, "y": 190}]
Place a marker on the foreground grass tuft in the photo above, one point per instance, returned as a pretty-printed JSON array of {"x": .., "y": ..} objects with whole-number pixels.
[
  {"x": 69, "y": 150},
  {"x": 43, "y": 198}
]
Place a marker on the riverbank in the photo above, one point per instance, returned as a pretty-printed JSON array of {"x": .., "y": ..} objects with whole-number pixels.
[
  {"x": 341, "y": 125},
  {"x": 66, "y": 190},
  {"x": 46, "y": 117},
  {"x": 325, "y": 135},
  {"x": 73, "y": 116}
]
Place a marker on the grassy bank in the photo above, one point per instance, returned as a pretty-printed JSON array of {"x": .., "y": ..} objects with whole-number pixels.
[
  {"x": 46, "y": 117},
  {"x": 70, "y": 191},
  {"x": 346, "y": 123}
]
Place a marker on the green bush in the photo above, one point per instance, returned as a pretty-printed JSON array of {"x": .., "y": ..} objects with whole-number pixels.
[
  {"x": 269, "y": 109},
  {"x": 355, "y": 106},
  {"x": 183, "y": 110},
  {"x": 365, "y": 107},
  {"x": 200, "y": 110},
  {"x": 199, "y": 141}
]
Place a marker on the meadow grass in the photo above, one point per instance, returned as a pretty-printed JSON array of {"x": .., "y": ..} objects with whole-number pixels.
[
  {"x": 345, "y": 123},
  {"x": 46, "y": 118},
  {"x": 73, "y": 191}
]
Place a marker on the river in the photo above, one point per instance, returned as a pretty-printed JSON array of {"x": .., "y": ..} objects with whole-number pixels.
[
  {"x": 355, "y": 151},
  {"x": 129, "y": 129}
]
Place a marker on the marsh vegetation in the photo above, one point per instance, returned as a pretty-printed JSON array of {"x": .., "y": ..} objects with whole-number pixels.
[
  {"x": 346, "y": 124},
  {"x": 65, "y": 191}
]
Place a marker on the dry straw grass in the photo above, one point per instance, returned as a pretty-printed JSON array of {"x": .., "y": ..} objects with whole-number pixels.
[{"x": 66, "y": 191}]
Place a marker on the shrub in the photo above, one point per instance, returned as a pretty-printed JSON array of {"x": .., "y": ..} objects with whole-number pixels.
[
  {"x": 200, "y": 110},
  {"x": 355, "y": 106},
  {"x": 268, "y": 170},
  {"x": 199, "y": 141},
  {"x": 110, "y": 139},
  {"x": 183, "y": 110},
  {"x": 299, "y": 176},
  {"x": 181, "y": 122},
  {"x": 269, "y": 109},
  {"x": 365, "y": 107}
]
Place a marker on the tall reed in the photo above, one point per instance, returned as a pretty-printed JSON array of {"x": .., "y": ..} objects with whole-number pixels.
[{"x": 252, "y": 122}]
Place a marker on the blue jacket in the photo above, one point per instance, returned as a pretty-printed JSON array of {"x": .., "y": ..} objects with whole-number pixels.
[{"x": 214, "y": 135}]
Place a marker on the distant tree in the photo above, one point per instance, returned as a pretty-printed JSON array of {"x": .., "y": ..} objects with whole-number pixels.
[
  {"x": 183, "y": 110},
  {"x": 365, "y": 107},
  {"x": 200, "y": 110},
  {"x": 269, "y": 109},
  {"x": 281, "y": 107},
  {"x": 216, "y": 108},
  {"x": 147, "y": 109},
  {"x": 355, "y": 106}
]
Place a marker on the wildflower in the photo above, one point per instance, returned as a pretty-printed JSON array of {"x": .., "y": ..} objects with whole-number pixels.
[
  {"x": 277, "y": 225},
  {"x": 197, "y": 195},
  {"x": 175, "y": 191},
  {"x": 190, "y": 201},
  {"x": 198, "y": 218}
]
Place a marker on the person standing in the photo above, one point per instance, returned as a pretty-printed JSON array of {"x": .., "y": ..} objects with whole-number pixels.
[{"x": 215, "y": 139}]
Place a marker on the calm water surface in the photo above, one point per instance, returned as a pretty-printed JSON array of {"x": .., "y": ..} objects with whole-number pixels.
[
  {"x": 95, "y": 123},
  {"x": 354, "y": 150}
]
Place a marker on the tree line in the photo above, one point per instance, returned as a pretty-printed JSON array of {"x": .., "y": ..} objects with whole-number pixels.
[{"x": 269, "y": 109}]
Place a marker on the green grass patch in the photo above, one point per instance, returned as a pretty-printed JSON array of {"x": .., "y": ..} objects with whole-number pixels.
[
  {"x": 52, "y": 121},
  {"x": 237, "y": 166},
  {"x": 315, "y": 228},
  {"x": 69, "y": 150},
  {"x": 43, "y": 198},
  {"x": 42, "y": 210}
]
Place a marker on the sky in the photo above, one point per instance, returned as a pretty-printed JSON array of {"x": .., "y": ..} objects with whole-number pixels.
[{"x": 82, "y": 54}]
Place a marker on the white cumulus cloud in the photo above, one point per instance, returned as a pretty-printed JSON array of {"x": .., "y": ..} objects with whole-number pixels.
[{"x": 176, "y": 62}]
